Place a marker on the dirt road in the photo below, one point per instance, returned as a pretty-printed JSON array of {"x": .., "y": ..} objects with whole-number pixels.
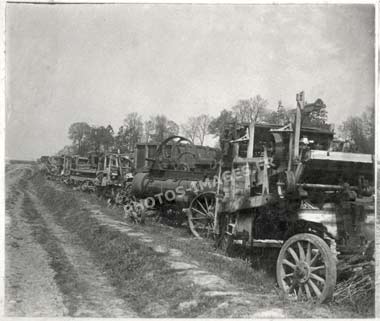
[
  {"x": 68, "y": 254},
  {"x": 48, "y": 271}
]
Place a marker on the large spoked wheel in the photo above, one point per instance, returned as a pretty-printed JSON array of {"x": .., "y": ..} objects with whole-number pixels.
[
  {"x": 306, "y": 268},
  {"x": 201, "y": 215}
]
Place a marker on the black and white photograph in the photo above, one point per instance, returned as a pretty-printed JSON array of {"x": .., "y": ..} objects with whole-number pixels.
[{"x": 190, "y": 160}]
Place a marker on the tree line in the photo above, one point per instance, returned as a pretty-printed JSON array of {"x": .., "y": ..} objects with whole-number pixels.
[{"x": 86, "y": 138}]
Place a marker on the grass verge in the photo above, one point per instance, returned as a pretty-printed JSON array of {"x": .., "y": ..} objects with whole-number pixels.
[{"x": 140, "y": 275}]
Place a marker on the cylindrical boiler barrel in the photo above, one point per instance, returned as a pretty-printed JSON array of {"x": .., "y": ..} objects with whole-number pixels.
[{"x": 144, "y": 185}]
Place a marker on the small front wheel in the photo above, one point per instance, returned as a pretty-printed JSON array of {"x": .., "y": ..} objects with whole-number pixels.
[{"x": 306, "y": 268}]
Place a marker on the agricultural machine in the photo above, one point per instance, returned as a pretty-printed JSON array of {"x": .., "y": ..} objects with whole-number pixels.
[
  {"x": 289, "y": 191},
  {"x": 53, "y": 166},
  {"x": 79, "y": 171},
  {"x": 114, "y": 176}
]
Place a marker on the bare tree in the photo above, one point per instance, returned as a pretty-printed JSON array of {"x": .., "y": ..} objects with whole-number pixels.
[
  {"x": 197, "y": 128},
  {"x": 203, "y": 122},
  {"x": 120, "y": 140},
  {"x": 190, "y": 129},
  {"x": 148, "y": 129},
  {"x": 281, "y": 116},
  {"x": 251, "y": 109},
  {"x": 133, "y": 129}
]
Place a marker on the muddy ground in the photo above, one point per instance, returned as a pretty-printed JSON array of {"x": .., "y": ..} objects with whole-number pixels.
[{"x": 68, "y": 254}]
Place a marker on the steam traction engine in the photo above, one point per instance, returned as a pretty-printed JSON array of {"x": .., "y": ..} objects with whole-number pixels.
[
  {"x": 169, "y": 174},
  {"x": 286, "y": 189}
]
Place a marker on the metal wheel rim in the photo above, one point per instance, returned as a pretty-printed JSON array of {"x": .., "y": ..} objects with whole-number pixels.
[
  {"x": 201, "y": 215},
  {"x": 304, "y": 270}
]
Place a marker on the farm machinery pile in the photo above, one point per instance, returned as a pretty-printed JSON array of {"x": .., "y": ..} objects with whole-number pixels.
[
  {"x": 281, "y": 189},
  {"x": 107, "y": 173},
  {"x": 80, "y": 171}
]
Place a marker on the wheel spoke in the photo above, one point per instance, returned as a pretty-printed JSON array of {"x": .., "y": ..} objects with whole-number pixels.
[
  {"x": 314, "y": 258},
  {"x": 288, "y": 275},
  {"x": 308, "y": 253},
  {"x": 316, "y": 268},
  {"x": 204, "y": 218},
  {"x": 293, "y": 254},
  {"x": 202, "y": 206},
  {"x": 302, "y": 252},
  {"x": 314, "y": 287},
  {"x": 307, "y": 289},
  {"x": 203, "y": 214},
  {"x": 285, "y": 261},
  {"x": 207, "y": 207},
  {"x": 317, "y": 278},
  {"x": 210, "y": 215}
]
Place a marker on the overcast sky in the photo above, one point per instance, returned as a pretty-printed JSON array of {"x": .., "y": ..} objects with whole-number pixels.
[{"x": 96, "y": 63}]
